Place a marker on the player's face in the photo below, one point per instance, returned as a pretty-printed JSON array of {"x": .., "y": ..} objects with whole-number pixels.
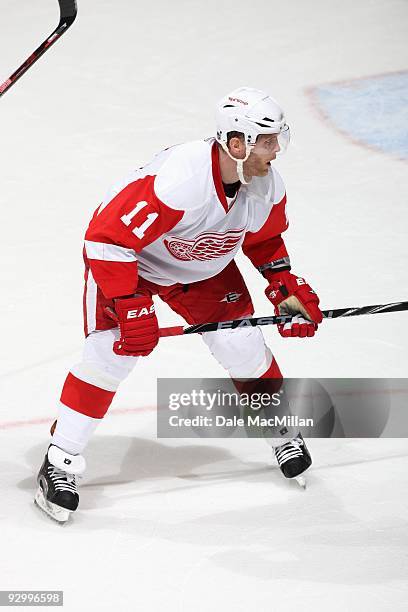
[{"x": 265, "y": 150}]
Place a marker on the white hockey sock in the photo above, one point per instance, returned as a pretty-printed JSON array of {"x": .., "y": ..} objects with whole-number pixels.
[{"x": 73, "y": 430}]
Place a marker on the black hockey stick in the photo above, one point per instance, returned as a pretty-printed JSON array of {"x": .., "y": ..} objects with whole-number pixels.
[
  {"x": 253, "y": 321},
  {"x": 68, "y": 12}
]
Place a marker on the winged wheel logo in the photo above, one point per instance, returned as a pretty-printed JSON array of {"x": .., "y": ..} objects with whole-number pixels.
[{"x": 204, "y": 247}]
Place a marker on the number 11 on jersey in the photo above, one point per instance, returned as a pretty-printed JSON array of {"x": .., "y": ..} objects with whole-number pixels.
[{"x": 139, "y": 230}]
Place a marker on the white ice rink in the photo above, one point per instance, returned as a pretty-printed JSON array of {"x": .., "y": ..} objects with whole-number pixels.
[{"x": 208, "y": 525}]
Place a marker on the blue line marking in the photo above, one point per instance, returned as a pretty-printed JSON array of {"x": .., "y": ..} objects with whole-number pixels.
[{"x": 372, "y": 110}]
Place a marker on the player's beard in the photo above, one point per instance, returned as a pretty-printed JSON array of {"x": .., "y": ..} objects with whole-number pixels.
[{"x": 256, "y": 166}]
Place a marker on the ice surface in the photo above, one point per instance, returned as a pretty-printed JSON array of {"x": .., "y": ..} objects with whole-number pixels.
[
  {"x": 208, "y": 525},
  {"x": 371, "y": 111}
]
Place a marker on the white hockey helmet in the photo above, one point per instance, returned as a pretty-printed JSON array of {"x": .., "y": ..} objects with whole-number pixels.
[{"x": 251, "y": 112}]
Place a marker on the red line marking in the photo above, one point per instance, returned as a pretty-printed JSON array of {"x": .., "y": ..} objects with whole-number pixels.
[{"x": 48, "y": 420}]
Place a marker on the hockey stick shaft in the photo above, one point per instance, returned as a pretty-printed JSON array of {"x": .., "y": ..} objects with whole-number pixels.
[
  {"x": 68, "y": 13},
  {"x": 253, "y": 321}
]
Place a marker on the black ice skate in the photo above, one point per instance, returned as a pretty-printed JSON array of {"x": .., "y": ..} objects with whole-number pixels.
[
  {"x": 294, "y": 459},
  {"x": 57, "y": 492}
]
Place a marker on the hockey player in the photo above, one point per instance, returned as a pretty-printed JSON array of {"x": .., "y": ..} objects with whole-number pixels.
[{"x": 172, "y": 229}]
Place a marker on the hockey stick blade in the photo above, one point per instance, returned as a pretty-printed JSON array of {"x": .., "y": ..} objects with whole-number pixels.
[
  {"x": 68, "y": 13},
  {"x": 335, "y": 313}
]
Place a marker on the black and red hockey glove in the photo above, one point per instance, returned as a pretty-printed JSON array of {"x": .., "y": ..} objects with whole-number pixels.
[{"x": 290, "y": 294}]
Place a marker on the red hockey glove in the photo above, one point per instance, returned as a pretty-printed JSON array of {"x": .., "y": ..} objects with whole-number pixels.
[
  {"x": 139, "y": 329},
  {"x": 291, "y": 294}
]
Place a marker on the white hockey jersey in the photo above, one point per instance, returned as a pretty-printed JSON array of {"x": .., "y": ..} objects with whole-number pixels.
[{"x": 170, "y": 222}]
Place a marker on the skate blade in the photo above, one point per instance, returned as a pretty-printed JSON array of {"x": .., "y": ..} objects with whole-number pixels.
[
  {"x": 61, "y": 515},
  {"x": 301, "y": 480}
]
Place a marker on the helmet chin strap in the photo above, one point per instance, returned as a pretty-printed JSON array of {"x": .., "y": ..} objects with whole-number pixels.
[{"x": 240, "y": 162}]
